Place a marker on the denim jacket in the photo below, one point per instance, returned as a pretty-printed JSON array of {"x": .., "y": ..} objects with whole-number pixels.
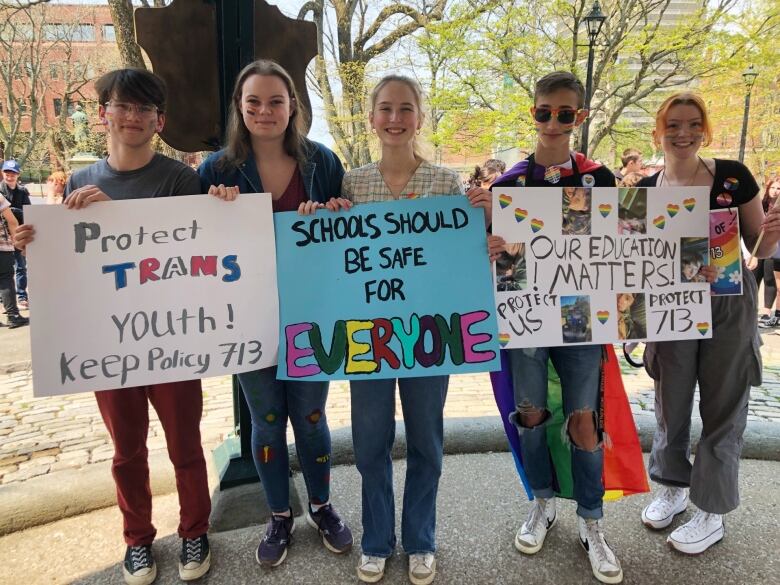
[{"x": 322, "y": 173}]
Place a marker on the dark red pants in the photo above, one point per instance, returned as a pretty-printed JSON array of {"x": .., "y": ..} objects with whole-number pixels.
[{"x": 126, "y": 414}]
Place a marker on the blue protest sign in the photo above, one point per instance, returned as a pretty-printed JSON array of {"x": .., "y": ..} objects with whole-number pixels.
[{"x": 385, "y": 290}]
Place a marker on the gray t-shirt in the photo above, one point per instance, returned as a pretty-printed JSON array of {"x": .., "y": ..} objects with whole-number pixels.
[{"x": 162, "y": 177}]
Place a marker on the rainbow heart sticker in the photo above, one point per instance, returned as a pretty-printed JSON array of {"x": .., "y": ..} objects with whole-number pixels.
[
  {"x": 536, "y": 225},
  {"x": 602, "y": 316},
  {"x": 731, "y": 184},
  {"x": 689, "y": 203},
  {"x": 672, "y": 209},
  {"x": 605, "y": 209},
  {"x": 503, "y": 339},
  {"x": 659, "y": 222},
  {"x": 520, "y": 214},
  {"x": 504, "y": 201},
  {"x": 703, "y": 328}
]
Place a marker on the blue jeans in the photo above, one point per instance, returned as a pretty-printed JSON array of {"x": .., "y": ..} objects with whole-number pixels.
[
  {"x": 373, "y": 434},
  {"x": 271, "y": 402},
  {"x": 579, "y": 369},
  {"x": 21, "y": 275}
]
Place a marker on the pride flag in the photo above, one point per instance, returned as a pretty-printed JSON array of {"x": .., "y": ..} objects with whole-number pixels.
[{"x": 624, "y": 469}]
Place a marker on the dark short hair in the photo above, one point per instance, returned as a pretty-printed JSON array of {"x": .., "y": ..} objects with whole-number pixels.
[
  {"x": 133, "y": 85},
  {"x": 630, "y": 155},
  {"x": 556, "y": 80}
]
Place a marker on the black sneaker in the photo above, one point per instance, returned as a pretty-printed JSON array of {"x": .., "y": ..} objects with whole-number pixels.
[
  {"x": 336, "y": 536},
  {"x": 139, "y": 567},
  {"x": 773, "y": 321},
  {"x": 195, "y": 558},
  {"x": 15, "y": 321},
  {"x": 278, "y": 536}
]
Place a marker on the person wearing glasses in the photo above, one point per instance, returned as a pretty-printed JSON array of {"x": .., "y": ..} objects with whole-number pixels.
[
  {"x": 132, "y": 109},
  {"x": 558, "y": 109}
]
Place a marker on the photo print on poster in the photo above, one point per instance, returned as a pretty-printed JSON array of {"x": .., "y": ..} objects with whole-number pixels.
[
  {"x": 511, "y": 268},
  {"x": 575, "y": 319},
  {"x": 632, "y": 316},
  {"x": 576, "y": 211},
  {"x": 632, "y": 211},
  {"x": 694, "y": 253}
]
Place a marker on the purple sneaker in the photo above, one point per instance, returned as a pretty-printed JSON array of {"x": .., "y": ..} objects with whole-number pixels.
[
  {"x": 278, "y": 536},
  {"x": 336, "y": 536}
]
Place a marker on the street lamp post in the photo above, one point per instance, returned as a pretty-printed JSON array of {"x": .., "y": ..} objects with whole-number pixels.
[
  {"x": 749, "y": 75},
  {"x": 594, "y": 22}
]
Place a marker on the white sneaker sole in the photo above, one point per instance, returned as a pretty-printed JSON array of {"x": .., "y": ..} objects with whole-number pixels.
[
  {"x": 369, "y": 577},
  {"x": 147, "y": 579},
  {"x": 532, "y": 550},
  {"x": 423, "y": 580},
  {"x": 663, "y": 522},
  {"x": 310, "y": 521},
  {"x": 696, "y": 548},
  {"x": 196, "y": 573}
]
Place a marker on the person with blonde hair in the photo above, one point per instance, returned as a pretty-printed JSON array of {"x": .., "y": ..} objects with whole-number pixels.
[
  {"x": 725, "y": 366},
  {"x": 396, "y": 117},
  {"x": 55, "y": 187}
]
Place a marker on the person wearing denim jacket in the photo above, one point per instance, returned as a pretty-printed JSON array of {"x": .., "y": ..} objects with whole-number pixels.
[{"x": 265, "y": 137}]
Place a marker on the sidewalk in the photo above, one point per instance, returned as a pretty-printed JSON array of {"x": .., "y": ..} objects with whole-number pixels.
[
  {"x": 480, "y": 506},
  {"x": 44, "y": 435}
]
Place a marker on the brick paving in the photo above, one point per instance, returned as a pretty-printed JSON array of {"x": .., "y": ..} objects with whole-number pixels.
[{"x": 43, "y": 435}]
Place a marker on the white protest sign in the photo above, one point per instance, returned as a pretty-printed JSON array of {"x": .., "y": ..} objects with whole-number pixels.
[
  {"x": 601, "y": 265},
  {"x": 145, "y": 291}
]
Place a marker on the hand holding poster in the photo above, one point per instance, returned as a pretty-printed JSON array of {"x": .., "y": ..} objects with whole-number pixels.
[
  {"x": 600, "y": 265},
  {"x": 146, "y": 291},
  {"x": 385, "y": 290}
]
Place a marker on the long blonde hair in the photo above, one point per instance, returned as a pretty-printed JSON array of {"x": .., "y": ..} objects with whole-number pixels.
[
  {"x": 238, "y": 143},
  {"x": 417, "y": 146}
]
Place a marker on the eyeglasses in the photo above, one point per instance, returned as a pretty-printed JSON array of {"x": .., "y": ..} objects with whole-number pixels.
[
  {"x": 125, "y": 109},
  {"x": 564, "y": 116}
]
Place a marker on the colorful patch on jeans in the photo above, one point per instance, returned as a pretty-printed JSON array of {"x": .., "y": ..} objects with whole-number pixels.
[
  {"x": 271, "y": 417},
  {"x": 266, "y": 454},
  {"x": 323, "y": 458},
  {"x": 314, "y": 416}
]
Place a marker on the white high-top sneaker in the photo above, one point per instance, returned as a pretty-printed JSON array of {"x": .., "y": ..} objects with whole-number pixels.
[
  {"x": 669, "y": 502},
  {"x": 698, "y": 534},
  {"x": 606, "y": 567},
  {"x": 541, "y": 517}
]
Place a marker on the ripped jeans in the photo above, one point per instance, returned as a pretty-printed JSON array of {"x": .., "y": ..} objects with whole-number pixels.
[
  {"x": 579, "y": 369},
  {"x": 271, "y": 402}
]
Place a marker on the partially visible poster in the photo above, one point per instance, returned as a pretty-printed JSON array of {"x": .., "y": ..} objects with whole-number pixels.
[{"x": 725, "y": 251}]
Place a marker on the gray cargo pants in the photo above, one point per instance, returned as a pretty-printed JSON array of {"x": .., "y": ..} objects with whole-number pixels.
[{"x": 725, "y": 367}]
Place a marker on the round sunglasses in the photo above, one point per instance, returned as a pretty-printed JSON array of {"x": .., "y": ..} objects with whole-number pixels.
[{"x": 563, "y": 115}]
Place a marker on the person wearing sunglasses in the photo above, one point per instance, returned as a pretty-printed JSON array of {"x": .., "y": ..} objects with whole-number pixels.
[{"x": 557, "y": 112}]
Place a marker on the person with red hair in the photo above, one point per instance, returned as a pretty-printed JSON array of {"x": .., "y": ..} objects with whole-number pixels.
[{"x": 725, "y": 366}]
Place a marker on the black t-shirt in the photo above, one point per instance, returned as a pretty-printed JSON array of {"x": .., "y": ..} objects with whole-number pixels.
[{"x": 733, "y": 184}]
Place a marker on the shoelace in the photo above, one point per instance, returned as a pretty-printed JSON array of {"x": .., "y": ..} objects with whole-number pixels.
[
  {"x": 192, "y": 550},
  {"x": 139, "y": 557},
  {"x": 597, "y": 543},
  {"x": 332, "y": 522},
  {"x": 667, "y": 499},
  {"x": 371, "y": 564},
  {"x": 425, "y": 560},
  {"x": 537, "y": 515},
  {"x": 277, "y": 526},
  {"x": 699, "y": 519}
]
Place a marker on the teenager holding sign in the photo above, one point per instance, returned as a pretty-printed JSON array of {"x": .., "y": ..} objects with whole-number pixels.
[
  {"x": 132, "y": 109},
  {"x": 725, "y": 366},
  {"x": 396, "y": 117},
  {"x": 267, "y": 151}
]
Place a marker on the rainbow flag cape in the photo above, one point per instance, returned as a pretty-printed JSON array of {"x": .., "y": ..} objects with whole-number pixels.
[{"x": 624, "y": 469}]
